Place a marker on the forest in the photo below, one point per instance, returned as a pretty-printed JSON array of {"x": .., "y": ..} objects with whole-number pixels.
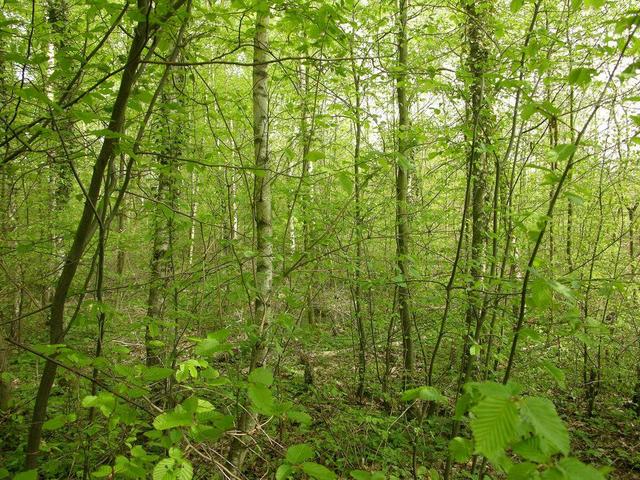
[{"x": 313, "y": 239}]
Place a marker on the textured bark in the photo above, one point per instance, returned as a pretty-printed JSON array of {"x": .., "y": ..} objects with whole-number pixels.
[
  {"x": 478, "y": 31},
  {"x": 262, "y": 219},
  {"x": 159, "y": 265},
  {"x": 402, "y": 184},
  {"x": 262, "y": 187},
  {"x": 357, "y": 293},
  {"x": 84, "y": 231},
  {"x": 306, "y": 131},
  {"x": 170, "y": 139}
]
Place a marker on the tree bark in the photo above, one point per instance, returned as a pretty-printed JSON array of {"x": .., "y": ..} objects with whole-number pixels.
[
  {"x": 262, "y": 219},
  {"x": 402, "y": 181},
  {"x": 84, "y": 232}
]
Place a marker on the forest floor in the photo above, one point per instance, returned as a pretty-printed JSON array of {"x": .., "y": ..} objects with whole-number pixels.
[{"x": 374, "y": 435}]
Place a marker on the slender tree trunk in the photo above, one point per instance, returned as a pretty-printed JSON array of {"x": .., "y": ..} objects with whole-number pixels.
[
  {"x": 84, "y": 232},
  {"x": 479, "y": 32},
  {"x": 170, "y": 137},
  {"x": 478, "y": 29},
  {"x": 306, "y": 131},
  {"x": 262, "y": 218},
  {"x": 357, "y": 292},
  {"x": 159, "y": 266},
  {"x": 402, "y": 181},
  {"x": 632, "y": 262},
  {"x": 60, "y": 177}
]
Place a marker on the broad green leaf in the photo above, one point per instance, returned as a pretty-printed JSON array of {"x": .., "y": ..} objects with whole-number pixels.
[
  {"x": 262, "y": 375},
  {"x": 574, "y": 198},
  {"x": 317, "y": 471},
  {"x": 298, "y": 416},
  {"x": 315, "y": 155},
  {"x": 185, "y": 472},
  {"x": 261, "y": 398},
  {"x": 494, "y": 425},
  {"x": 564, "y": 150},
  {"x": 460, "y": 449},
  {"x": 581, "y": 76},
  {"x": 103, "y": 471},
  {"x": 297, "y": 454},
  {"x": 284, "y": 471},
  {"x": 539, "y": 294},
  {"x": 541, "y": 414},
  {"x": 575, "y": 469},
  {"x": 105, "y": 401},
  {"x": 174, "y": 419},
  {"x": 58, "y": 421},
  {"x": 27, "y": 475},
  {"x": 523, "y": 471},
  {"x": 346, "y": 182},
  {"x": 556, "y": 373},
  {"x": 360, "y": 475},
  {"x": 516, "y": 5},
  {"x": 164, "y": 469},
  {"x": 153, "y": 374},
  {"x": 208, "y": 346},
  {"x": 424, "y": 393},
  {"x": 594, "y": 3}
]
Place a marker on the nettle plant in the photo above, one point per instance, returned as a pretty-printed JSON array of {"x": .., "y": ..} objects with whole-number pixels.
[{"x": 521, "y": 436}]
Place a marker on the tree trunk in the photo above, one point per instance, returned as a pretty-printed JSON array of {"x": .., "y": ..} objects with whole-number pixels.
[
  {"x": 262, "y": 218},
  {"x": 84, "y": 232},
  {"x": 402, "y": 181},
  {"x": 357, "y": 293}
]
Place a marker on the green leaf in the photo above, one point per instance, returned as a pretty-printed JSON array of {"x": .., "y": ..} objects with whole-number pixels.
[
  {"x": 207, "y": 346},
  {"x": 460, "y": 449},
  {"x": 541, "y": 414},
  {"x": 360, "y": 475},
  {"x": 564, "y": 151},
  {"x": 164, "y": 469},
  {"x": 494, "y": 425},
  {"x": 174, "y": 419},
  {"x": 516, "y": 5},
  {"x": 57, "y": 422},
  {"x": 298, "y": 416},
  {"x": 557, "y": 374},
  {"x": 581, "y": 76},
  {"x": 523, "y": 471},
  {"x": 575, "y": 469},
  {"x": 346, "y": 182},
  {"x": 424, "y": 393},
  {"x": 284, "y": 471},
  {"x": 185, "y": 472},
  {"x": 574, "y": 198},
  {"x": 27, "y": 475},
  {"x": 297, "y": 454},
  {"x": 594, "y": 3},
  {"x": 103, "y": 471},
  {"x": 315, "y": 155},
  {"x": 317, "y": 471},
  {"x": 153, "y": 374},
  {"x": 532, "y": 449},
  {"x": 261, "y": 398},
  {"x": 262, "y": 375}
]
